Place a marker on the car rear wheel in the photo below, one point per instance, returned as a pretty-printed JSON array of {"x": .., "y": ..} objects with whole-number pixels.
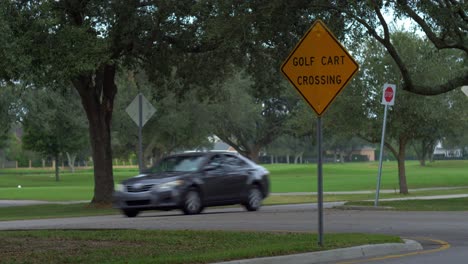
[
  {"x": 130, "y": 212},
  {"x": 254, "y": 199},
  {"x": 192, "y": 202}
]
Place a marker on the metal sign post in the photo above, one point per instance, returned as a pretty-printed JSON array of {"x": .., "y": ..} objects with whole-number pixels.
[
  {"x": 140, "y": 126},
  {"x": 379, "y": 175},
  {"x": 319, "y": 68},
  {"x": 140, "y": 110},
  {"x": 320, "y": 181},
  {"x": 388, "y": 98}
]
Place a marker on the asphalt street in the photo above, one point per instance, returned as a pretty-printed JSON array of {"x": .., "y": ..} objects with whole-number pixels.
[{"x": 443, "y": 234}]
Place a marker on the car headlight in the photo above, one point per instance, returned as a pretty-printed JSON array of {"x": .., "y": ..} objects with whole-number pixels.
[
  {"x": 119, "y": 187},
  {"x": 170, "y": 185}
]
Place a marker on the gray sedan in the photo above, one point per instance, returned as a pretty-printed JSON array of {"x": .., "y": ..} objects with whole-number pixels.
[{"x": 192, "y": 181}]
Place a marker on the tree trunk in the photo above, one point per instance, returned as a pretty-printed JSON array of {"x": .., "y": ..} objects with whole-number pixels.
[
  {"x": 400, "y": 156},
  {"x": 401, "y": 166},
  {"x": 402, "y": 175},
  {"x": 97, "y": 92},
  {"x": 71, "y": 161},
  {"x": 298, "y": 157},
  {"x": 57, "y": 171},
  {"x": 254, "y": 154},
  {"x": 422, "y": 162},
  {"x": 431, "y": 150}
]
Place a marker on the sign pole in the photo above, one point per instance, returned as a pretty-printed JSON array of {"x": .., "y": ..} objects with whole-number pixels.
[
  {"x": 140, "y": 126},
  {"x": 140, "y": 111},
  {"x": 320, "y": 181},
  {"x": 379, "y": 176},
  {"x": 388, "y": 98}
]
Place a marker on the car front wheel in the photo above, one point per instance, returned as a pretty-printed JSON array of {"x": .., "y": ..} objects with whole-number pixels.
[
  {"x": 192, "y": 203},
  {"x": 130, "y": 212},
  {"x": 254, "y": 199}
]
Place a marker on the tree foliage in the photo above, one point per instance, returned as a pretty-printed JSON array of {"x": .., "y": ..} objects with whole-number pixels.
[
  {"x": 413, "y": 118},
  {"x": 54, "y": 124},
  {"x": 246, "y": 122},
  {"x": 84, "y": 43},
  {"x": 6, "y": 113},
  {"x": 442, "y": 22},
  {"x": 179, "y": 123}
]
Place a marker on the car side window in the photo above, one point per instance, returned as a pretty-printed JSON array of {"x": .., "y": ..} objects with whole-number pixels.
[
  {"x": 216, "y": 162},
  {"x": 233, "y": 163}
]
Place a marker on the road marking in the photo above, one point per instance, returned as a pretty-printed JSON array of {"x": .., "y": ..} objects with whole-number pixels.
[{"x": 443, "y": 246}]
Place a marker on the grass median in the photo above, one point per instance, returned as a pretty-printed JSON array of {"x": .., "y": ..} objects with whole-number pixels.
[{"x": 155, "y": 246}]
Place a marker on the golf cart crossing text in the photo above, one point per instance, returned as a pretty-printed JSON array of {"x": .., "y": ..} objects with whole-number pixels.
[{"x": 318, "y": 79}]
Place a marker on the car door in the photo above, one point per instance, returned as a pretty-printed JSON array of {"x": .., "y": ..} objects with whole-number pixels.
[
  {"x": 214, "y": 180},
  {"x": 224, "y": 179},
  {"x": 236, "y": 174}
]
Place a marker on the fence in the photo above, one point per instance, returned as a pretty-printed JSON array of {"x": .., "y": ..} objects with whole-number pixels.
[
  {"x": 9, "y": 164},
  {"x": 116, "y": 163}
]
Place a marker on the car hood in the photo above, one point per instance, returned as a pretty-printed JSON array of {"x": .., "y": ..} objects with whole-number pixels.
[{"x": 155, "y": 178}]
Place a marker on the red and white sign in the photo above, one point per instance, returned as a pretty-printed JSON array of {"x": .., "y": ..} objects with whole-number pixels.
[{"x": 388, "y": 95}]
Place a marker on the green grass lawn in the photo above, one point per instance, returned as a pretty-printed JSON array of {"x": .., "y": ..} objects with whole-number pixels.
[
  {"x": 40, "y": 184},
  {"x": 100, "y": 246},
  {"x": 144, "y": 246},
  {"x": 126, "y": 246},
  {"x": 151, "y": 246},
  {"x": 363, "y": 176}
]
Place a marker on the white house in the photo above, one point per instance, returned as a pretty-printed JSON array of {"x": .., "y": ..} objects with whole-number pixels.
[{"x": 447, "y": 153}]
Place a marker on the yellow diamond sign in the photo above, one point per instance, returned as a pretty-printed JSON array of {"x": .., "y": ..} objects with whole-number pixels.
[{"x": 319, "y": 67}]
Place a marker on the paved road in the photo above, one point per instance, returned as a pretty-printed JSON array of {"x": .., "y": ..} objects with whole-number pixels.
[{"x": 430, "y": 228}]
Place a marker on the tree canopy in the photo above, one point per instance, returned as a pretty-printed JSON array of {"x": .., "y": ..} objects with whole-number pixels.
[
  {"x": 6, "y": 115},
  {"x": 413, "y": 118},
  {"x": 84, "y": 44},
  {"x": 442, "y": 22},
  {"x": 54, "y": 124}
]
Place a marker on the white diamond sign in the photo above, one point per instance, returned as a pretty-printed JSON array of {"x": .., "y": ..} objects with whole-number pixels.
[
  {"x": 465, "y": 90},
  {"x": 147, "y": 110}
]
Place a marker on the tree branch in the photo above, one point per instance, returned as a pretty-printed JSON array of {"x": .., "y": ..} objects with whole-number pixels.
[
  {"x": 440, "y": 43},
  {"x": 408, "y": 84},
  {"x": 200, "y": 48}
]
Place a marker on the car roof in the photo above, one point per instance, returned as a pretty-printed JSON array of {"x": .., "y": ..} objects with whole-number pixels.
[
  {"x": 212, "y": 153},
  {"x": 208, "y": 154}
]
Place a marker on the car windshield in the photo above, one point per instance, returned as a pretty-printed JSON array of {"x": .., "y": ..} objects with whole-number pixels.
[{"x": 178, "y": 164}]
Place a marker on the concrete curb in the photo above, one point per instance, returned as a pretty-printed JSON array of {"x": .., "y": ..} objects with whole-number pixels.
[
  {"x": 363, "y": 208},
  {"x": 336, "y": 254}
]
